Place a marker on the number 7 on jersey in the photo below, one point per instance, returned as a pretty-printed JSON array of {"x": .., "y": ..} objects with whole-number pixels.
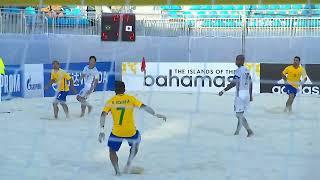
[{"x": 122, "y": 110}]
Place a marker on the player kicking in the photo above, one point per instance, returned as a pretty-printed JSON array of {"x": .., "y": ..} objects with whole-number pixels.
[
  {"x": 292, "y": 75},
  {"x": 61, "y": 78},
  {"x": 243, "y": 83},
  {"x": 121, "y": 107},
  {"x": 90, "y": 75}
]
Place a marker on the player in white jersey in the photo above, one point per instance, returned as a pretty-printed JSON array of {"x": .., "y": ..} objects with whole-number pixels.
[
  {"x": 243, "y": 83},
  {"x": 90, "y": 74}
]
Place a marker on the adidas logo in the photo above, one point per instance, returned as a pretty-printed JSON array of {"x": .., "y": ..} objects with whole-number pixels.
[{"x": 307, "y": 88}]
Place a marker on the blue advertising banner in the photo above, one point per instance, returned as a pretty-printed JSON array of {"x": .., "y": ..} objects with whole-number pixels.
[
  {"x": 106, "y": 76},
  {"x": 11, "y": 82}
]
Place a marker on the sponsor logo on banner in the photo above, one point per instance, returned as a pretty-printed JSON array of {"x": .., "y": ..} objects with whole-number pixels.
[
  {"x": 33, "y": 80},
  {"x": 11, "y": 82},
  {"x": 272, "y": 82},
  {"x": 106, "y": 76},
  {"x": 204, "y": 77},
  {"x": 32, "y": 86}
]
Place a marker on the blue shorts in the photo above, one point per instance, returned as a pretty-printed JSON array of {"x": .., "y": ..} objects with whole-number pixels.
[
  {"x": 114, "y": 142},
  {"x": 62, "y": 96},
  {"x": 289, "y": 89}
]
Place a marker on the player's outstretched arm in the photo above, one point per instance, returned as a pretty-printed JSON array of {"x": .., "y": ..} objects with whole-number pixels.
[
  {"x": 72, "y": 86},
  {"x": 304, "y": 77},
  {"x": 48, "y": 85},
  {"x": 250, "y": 90},
  {"x": 152, "y": 112},
  {"x": 284, "y": 74},
  {"x": 94, "y": 85},
  {"x": 102, "y": 122},
  {"x": 229, "y": 86},
  {"x": 284, "y": 77},
  {"x": 304, "y": 81}
]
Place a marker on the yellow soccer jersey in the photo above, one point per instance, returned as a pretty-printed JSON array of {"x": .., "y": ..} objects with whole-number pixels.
[
  {"x": 61, "y": 77},
  {"x": 2, "y": 67},
  {"x": 294, "y": 75},
  {"x": 122, "y": 108}
]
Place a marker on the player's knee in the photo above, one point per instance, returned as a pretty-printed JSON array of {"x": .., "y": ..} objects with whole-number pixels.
[
  {"x": 112, "y": 152},
  {"x": 239, "y": 115},
  {"x": 80, "y": 98},
  {"x": 84, "y": 103},
  {"x": 134, "y": 148},
  {"x": 63, "y": 103}
]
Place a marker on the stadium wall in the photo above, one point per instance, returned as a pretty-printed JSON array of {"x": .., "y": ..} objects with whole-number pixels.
[
  {"x": 28, "y": 80},
  {"x": 42, "y": 49}
]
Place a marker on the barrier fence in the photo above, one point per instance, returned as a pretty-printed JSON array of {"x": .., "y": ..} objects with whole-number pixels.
[{"x": 152, "y": 25}]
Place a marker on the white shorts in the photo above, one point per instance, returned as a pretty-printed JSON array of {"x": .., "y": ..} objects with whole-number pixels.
[
  {"x": 85, "y": 92},
  {"x": 241, "y": 102}
]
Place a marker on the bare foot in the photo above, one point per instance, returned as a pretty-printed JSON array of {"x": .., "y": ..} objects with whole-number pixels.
[
  {"x": 118, "y": 174},
  {"x": 126, "y": 169},
  {"x": 250, "y": 133}
]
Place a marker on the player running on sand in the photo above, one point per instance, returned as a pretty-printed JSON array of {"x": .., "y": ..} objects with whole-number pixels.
[{"x": 122, "y": 107}]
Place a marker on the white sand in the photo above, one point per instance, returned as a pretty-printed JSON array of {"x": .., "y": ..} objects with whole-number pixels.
[{"x": 196, "y": 142}]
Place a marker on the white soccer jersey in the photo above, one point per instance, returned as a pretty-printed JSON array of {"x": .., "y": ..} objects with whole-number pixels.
[
  {"x": 243, "y": 80},
  {"x": 90, "y": 75}
]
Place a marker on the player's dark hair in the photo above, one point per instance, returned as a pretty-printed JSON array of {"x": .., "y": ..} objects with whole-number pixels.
[
  {"x": 297, "y": 57},
  {"x": 240, "y": 57},
  {"x": 55, "y": 61},
  {"x": 120, "y": 87},
  {"x": 93, "y": 57}
]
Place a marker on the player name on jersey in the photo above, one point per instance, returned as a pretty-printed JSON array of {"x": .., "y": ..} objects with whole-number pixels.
[{"x": 120, "y": 102}]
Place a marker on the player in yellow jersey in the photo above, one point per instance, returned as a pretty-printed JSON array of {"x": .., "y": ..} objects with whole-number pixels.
[
  {"x": 2, "y": 71},
  {"x": 292, "y": 76},
  {"x": 62, "y": 79},
  {"x": 122, "y": 107}
]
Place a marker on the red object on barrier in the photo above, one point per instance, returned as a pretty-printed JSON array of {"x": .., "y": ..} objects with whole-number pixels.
[{"x": 143, "y": 65}]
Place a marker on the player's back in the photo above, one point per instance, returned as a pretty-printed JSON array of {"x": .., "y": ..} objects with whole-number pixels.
[
  {"x": 243, "y": 77},
  {"x": 122, "y": 110}
]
